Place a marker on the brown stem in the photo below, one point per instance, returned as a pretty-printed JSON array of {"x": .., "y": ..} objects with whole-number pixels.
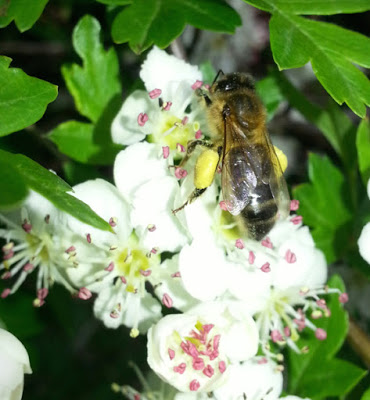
[{"x": 359, "y": 341}]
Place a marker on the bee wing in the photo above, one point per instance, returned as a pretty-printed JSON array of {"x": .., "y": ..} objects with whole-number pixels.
[
  {"x": 239, "y": 172},
  {"x": 277, "y": 182}
]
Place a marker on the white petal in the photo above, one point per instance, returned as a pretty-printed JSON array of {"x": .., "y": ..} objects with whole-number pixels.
[
  {"x": 173, "y": 286},
  {"x": 136, "y": 165},
  {"x": 125, "y": 128},
  {"x": 203, "y": 268},
  {"x": 364, "y": 243},
  {"x": 309, "y": 269},
  {"x": 160, "y": 69},
  {"x": 106, "y": 201},
  {"x": 254, "y": 381},
  {"x": 14, "y": 363},
  {"x": 152, "y": 205}
]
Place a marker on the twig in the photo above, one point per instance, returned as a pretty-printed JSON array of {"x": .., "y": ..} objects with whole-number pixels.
[{"x": 359, "y": 341}]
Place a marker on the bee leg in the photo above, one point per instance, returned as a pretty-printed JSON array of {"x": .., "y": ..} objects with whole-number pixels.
[
  {"x": 193, "y": 196},
  {"x": 192, "y": 145}
]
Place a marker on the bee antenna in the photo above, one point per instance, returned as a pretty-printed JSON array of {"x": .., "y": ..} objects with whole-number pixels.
[{"x": 220, "y": 72}]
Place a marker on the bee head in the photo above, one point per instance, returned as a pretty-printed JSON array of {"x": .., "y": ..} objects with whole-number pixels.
[{"x": 234, "y": 81}]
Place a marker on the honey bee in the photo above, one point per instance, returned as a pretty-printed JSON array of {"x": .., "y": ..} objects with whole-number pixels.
[{"x": 252, "y": 182}]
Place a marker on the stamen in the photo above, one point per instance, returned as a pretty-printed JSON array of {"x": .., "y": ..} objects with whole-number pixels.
[
  {"x": 145, "y": 272},
  {"x": 142, "y": 119},
  {"x": 296, "y": 220},
  {"x": 239, "y": 244},
  {"x": 26, "y": 226},
  {"x": 194, "y": 385},
  {"x": 343, "y": 298},
  {"x": 222, "y": 205},
  {"x": 290, "y": 257},
  {"x": 167, "y": 300},
  {"x": 180, "y": 173},
  {"x": 185, "y": 120},
  {"x": 267, "y": 243},
  {"x": 198, "y": 364},
  {"x": 42, "y": 293},
  {"x": 251, "y": 257},
  {"x": 176, "y": 275},
  {"x": 180, "y": 368},
  {"x": 70, "y": 249},
  {"x": 262, "y": 360},
  {"x": 165, "y": 151},
  {"x": 110, "y": 267},
  {"x": 197, "y": 84},
  {"x": 5, "y": 293},
  {"x": 208, "y": 371},
  {"x": 151, "y": 227},
  {"x": 320, "y": 334},
  {"x": 155, "y": 93},
  {"x": 167, "y": 106},
  {"x": 294, "y": 205},
  {"x": 134, "y": 333},
  {"x": 198, "y": 134},
  {"x": 88, "y": 238},
  {"x": 266, "y": 267},
  {"x": 180, "y": 148},
  {"x": 222, "y": 366},
  {"x": 171, "y": 353},
  {"x": 276, "y": 336},
  {"x": 112, "y": 222},
  {"x": 84, "y": 293}
]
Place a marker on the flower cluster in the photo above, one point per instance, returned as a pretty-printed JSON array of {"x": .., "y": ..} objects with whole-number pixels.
[{"x": 229, "y": 295}]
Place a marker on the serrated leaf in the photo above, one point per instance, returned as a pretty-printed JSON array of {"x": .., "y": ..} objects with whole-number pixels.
[
  {"x": 306, "y": 370},
  {"x": 324, "y": 208},
  {"x": 52, "y": 188},
  {"x": 334, "y": 123},
  {"x": 14, "y": 188},
  {"x": 148, "y": 22},
  {"x": 313, "y": 7},
  {"x": 363, "y": 150},
  {"x": 23, "y": 99},
  {"x": 332, "y": 50},
  {"x": 20, "y": 11},
  {"x": 78, "y": 140},
  {"x": 94, "y": 84}
]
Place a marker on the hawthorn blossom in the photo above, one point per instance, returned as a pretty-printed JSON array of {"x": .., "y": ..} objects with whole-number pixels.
[
  {"x": 36, "y": 239},
  {"x": 364, "y": 239},
  {"x": 14, "y": 363},
  {"x": 193, "y": 351},
  {"x": 162, "y": 110}
]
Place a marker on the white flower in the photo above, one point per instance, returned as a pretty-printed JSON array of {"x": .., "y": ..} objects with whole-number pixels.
[
  {"x": 193, "y": 351},
  {"x": 114, "y": 265},
  {"x": 14, "y": 363},
  {"x": 364, "y": 239},
  {"x": 162, "y": 111},
  {"x": 255, "y": 379},
  {"x": 37, "y": 239}
]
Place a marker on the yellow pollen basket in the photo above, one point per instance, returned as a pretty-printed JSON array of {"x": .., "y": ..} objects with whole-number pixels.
[
  {"x": 283, "y": 160},
  {"x": 205, "y": 168}
]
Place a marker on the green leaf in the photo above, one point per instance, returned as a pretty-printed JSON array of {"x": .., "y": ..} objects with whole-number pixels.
[
  {"x": 115, "y": 2},
  {"x": 53, "y": 188},
  {"x": 324, "y": 206},
  {"x": 363, "y": 150},
  {"x": 208, "y": 72},
  {"x": 21, "y": 12},
  {"x": 332, "y": 50},
  {"x": 148, "y": 22},
  {"x": 76, "y": 173},
  {"x": 78, "y": 141},
  {"x": 313, "y": 7},
  {"x": 94, "y": 84},
  {"x": 23, "y": 99},
  {"x": 366, "y": 395},
  {"x": 269, "y": 91},
  {"x": 306, "y": 370},
  {"x": 332, "y": 121},
  {"x": 14, "y": 187}
]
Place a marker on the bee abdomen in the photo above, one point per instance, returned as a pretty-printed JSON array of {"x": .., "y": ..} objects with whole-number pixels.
[{"x": 259, "y": 215}]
